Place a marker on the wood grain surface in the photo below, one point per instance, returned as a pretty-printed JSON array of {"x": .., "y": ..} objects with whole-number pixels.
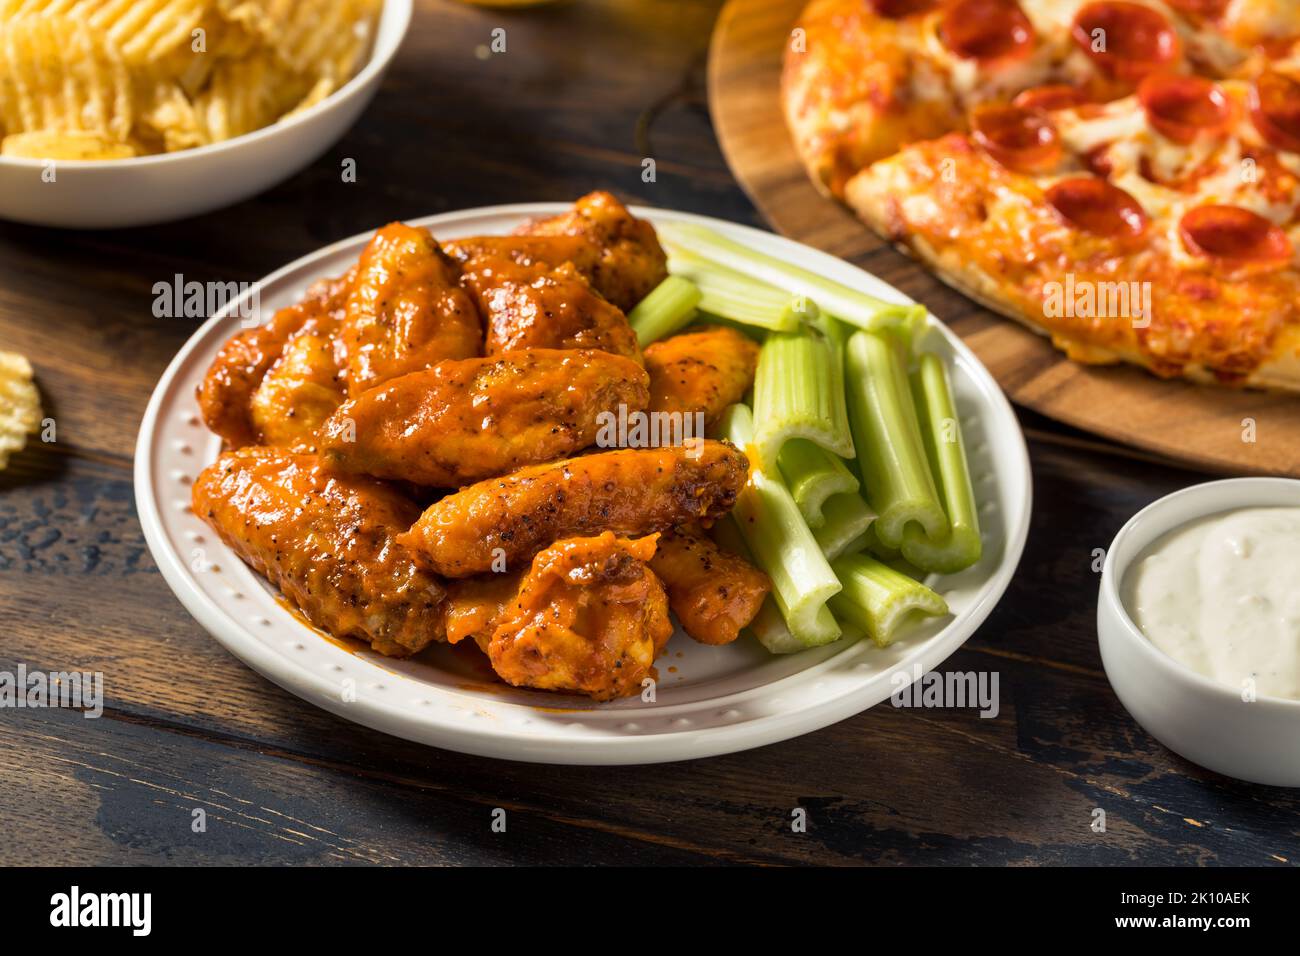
[
  {"x": 1222, "y": 430},
  {"x": 585, "y": 92}
]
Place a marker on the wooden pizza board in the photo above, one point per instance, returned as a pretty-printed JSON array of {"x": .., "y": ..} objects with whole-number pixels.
[{"x": 1217, "y": 430}]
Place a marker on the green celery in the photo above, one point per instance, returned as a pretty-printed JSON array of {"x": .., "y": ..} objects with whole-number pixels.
[
  {"x": 782, "y": 544},
  {"x": 850, "y": 305},
  {"x": 941, "y": 432},
  {"x": 813, "y": 474},
  {"x": 871, "y": 542},
  {"x": 799, "y": 392},
  {"x": 892, "y": 459},
  {"x": 740, "y": 298},
  {"x": 668, "y": 307},
  {"x": 770, "y": 628},
  {"x": 847, "y": 519},
  {"x": 878, "y": 599}
]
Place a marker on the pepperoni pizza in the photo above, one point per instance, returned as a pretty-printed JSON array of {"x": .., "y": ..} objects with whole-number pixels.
[{"x": 1122, "y": 176}]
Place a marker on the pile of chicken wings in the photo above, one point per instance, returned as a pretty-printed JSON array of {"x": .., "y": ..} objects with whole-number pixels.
[{"x": 410, "y": 454}]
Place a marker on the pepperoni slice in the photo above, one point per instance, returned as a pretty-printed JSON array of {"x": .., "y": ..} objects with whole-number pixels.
[
  {"x": 1019, "y": 139},
  {"x": 1235, "y": 234},
  {"x": 1183, "y": 107},
  {"x": 987, "y": 30},
  {"x": 1126, "y": 40},
  {"x": 901, "y": 9},
  {"x": 1052, "y": 97},
  {"x": 1275, "y": 110},
  {"x": 1096, "y": 206}
]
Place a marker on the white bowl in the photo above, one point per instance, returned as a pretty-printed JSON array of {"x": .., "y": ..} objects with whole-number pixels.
[
  {"x": 107, "y": 194},
  {"x": 1204, "y": 721}
]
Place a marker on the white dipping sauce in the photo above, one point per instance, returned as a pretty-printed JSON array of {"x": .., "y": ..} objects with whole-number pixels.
[{"x": 1222, "y": 595}]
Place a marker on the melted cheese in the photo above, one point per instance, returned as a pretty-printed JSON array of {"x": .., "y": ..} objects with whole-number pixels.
[
  {"x": 1261, "y": 18},
  {"x": 974, "y": 82}
]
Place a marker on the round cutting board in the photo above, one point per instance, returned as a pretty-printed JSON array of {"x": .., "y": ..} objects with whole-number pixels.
[{"x": 1214, "y": 429}]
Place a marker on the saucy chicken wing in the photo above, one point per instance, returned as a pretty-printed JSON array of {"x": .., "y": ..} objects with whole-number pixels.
[
  {"x": 629, "y": 491},
  {"x": 475, "y": 605},
  {"x": 301, "y": 389},
  {"x": 406, "y": 310},
  {"x": 226, "y": 394},
  {"x": 588, "y": 617},
  {"x": 538, "y": 306},
  {"x": 631, "y": 260},
  {"x": 704, "y": 370},
  {"x": 713, "y": 592},
  {"x": 467, "y": 419},
  {"x": 327, "y": 543}
]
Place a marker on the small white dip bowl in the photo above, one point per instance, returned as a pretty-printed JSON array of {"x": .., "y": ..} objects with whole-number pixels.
[
  {"x": 103, "y": 194},
  {"x": 1204, "y": 721}
]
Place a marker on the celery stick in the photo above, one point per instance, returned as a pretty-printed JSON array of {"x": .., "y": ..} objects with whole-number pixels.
[
  {"x": 813, "y": 474},
  {"x": 872, "y": 543},
  {"x": 891, "y": 454},
  {"x": 941, "y": 432},
  {"x": 770, "y": 628},
  {"x": 799, "y": 392},
  {"x": 871, "y": 547},
  {"x": 740, "y": 298},
  {"x": 669, "y": 306},
  {"x": 704, "y": 317},
  {"x": 878, "y": 599},
  {"x": 854, "y": 307},
  {"x": 782, "y": 544},
  {"x": 847, "y": 519}
]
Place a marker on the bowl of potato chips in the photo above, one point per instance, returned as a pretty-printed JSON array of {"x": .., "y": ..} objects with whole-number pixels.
[{"x": 121, "y": 113}]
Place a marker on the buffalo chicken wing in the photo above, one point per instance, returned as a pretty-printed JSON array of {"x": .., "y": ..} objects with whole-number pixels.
[
  {"x": 468, "y": 419},
  {"x": 406, "y": 310},
  {"x": 327, "y": 543},
  {"x": 629, "y": 491},
  {"x": 226, "y": 393},
  {"x": 631, "y": 261},
  {"x": 714, "y": 593},
  {"x": 703, "y": 371},
  {"x": 539, "y": 306},
  {"x": 587, "y": 617}
]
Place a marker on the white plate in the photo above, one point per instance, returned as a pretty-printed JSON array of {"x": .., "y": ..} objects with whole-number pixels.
[
  {"x": 710, "y": 700},
  {"x": 112, "y": 194}
]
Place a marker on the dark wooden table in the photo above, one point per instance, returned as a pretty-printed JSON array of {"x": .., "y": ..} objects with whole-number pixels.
[{"x": 585, "y": 91}]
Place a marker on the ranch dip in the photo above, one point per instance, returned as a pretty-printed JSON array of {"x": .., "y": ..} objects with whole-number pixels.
[{"x": 1222, "y": 595}]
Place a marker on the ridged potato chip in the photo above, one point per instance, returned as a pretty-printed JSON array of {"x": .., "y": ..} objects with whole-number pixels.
[
  {"x": 20, "y": 404},
  {"x": 57, "y": 75},
  {"x": 327, "y": 37},
  {"x": 168, "y": 119},
  {"x": 247, "y": 94},
  {"x": 144, "y": 31},
  {"x": 72, "y": 144}
]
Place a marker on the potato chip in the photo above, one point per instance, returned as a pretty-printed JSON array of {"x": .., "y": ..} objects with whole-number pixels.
[
  {"x": 323, "y": 88},
  {"x": 167, "y": 116},
  {"x": 246, "y": 94},
  {"x": 20, "y": 404},
  {"x": 72, "y": 144},
  {"x": 325, "y": 37},
  {"x": 144, "y": 30},
  {"x": 56, "y": 75}
]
